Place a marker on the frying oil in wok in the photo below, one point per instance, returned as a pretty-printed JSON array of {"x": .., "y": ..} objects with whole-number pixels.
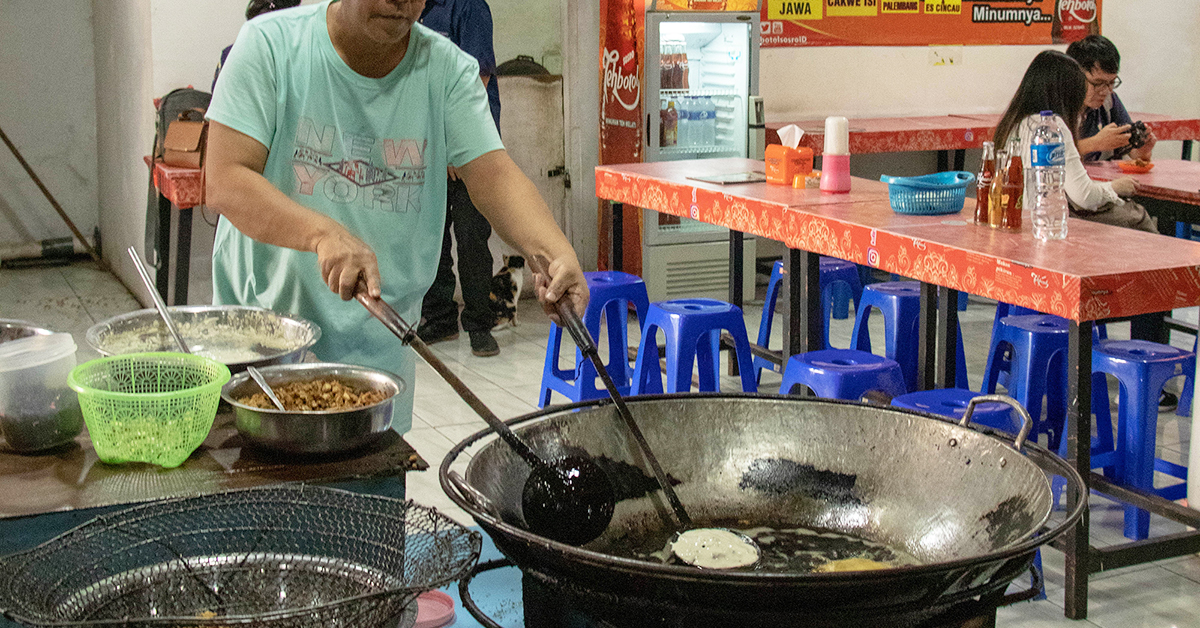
[{"x": 785, "y": 548}]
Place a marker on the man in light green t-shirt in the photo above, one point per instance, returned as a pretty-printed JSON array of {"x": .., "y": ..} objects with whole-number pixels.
[{"x": 331, "y": 129}]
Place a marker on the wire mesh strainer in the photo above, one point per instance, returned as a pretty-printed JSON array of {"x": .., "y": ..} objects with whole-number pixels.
[{"x": 286, "y": 556}]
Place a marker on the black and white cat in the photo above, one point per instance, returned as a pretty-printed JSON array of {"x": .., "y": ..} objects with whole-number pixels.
[{"x": 506, "y": 289}]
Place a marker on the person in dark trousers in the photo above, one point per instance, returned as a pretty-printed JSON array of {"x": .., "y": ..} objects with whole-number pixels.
[
  {"x": 467, "y": 23},
  {"x": 253, "y": 10},
  {"x": 330, "y": 132}
]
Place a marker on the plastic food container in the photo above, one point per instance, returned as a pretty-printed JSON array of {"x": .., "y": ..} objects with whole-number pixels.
[
  {"x": 38, "y": 410},
  {"x": 149, "y": 407},
  {"x": 930, "y": 194}
]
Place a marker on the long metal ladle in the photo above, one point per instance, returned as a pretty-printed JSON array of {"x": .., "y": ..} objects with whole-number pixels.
[
  {"x": 587, "y": 346},
  {"x": 569, "y": 500},
  {"x": 718, "y": 540},
  {"x": 158, "y": 302},
  {"x": 258, "y": 378},
  {"x": 708, "y": 542}
]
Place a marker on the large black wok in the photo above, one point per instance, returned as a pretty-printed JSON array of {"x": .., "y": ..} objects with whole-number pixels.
[{"x": 967, "y": 504}]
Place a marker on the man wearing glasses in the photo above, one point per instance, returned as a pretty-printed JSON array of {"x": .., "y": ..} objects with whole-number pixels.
[{"x": 1105, "y": 129}]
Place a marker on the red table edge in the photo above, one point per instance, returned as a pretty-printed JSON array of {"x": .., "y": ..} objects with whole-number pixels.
[
  {"x": 1108, "y": 171},
  {"x": 967, "y": 135},
  {"x": 1087, "y": 306}
]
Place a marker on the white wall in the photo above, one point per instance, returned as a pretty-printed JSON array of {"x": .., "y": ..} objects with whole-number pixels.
[
  {"x": 1159, "y": 67},
  {"x": 187, "y": 37},
  {"x": 528, "y": 27},
  {"x": 124, "y": 119},
  {"x": 48, "y": 110}
]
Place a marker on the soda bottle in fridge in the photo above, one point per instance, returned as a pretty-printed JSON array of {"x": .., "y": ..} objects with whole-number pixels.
[
  {"x": 683, "y": 67},
  {"x": 983, "y": 184},
  {"x": 1014, "y": 188},
  {"x": 1044, "y": 180},
  {"x": 665, "y": 65},
  {"x": 670, "y": 124},
  {"x": 677, "y": 66}
]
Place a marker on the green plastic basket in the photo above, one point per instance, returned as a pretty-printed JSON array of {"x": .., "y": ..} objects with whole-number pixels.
[{"x": 149, "y": 407}]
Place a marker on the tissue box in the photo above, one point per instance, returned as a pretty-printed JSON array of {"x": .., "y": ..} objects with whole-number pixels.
[{"x": 784, "y": 163}]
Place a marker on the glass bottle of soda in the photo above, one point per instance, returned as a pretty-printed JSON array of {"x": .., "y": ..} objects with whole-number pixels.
[
  {"x": 683, "y": 67},
  {"x": 1014, "y": 188},
  {"x": 670, "y": 125},
  {"x": 677, "y": 66},
  {"x": 996, "y": 193},
  {"x": 983, "y": 184},
  {"x": 664, "y": 65}
]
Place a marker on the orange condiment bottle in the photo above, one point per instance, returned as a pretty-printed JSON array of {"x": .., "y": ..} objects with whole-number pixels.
[
  {"x": 1014, "y": 188},
  {"x": 983, "y": 184}
]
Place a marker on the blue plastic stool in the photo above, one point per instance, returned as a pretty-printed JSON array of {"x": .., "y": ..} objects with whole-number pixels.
[
  {"x": 693, "y": 330},
  {"x": 962, "y": 296},
  {"x": 1036, "y": 345},
  {"x": 952, "y": 402},
  {"x": 837, "y": 278},
  {"x": 900, "y": 304},
  {"x": 1185, "y": 397},
  {"x": 842, "y": 374},
  {"x": 835, "y": 273},
  {"x": 1143, "y": 368},
  {"x": 1034, "y": 342},
  {"x": 1002, "y": 358},
  {"x": 611, "y": 294}
]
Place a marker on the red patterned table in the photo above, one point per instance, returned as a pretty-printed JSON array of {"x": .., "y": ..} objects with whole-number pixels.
[
  {"x": 1099, "y": 272},
  {"x": 1170, "y": 191},
  {"x": 951, "y": 132},
  {"x": 183, "y": 189},
  {"x": 1170, "y": 179}
]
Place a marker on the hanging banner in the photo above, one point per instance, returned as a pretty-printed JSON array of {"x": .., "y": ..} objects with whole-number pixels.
[
  {"x": 797, "y": 23},
  {"x": 707, "y": 5},
  {"x": 622, "y": 117}
]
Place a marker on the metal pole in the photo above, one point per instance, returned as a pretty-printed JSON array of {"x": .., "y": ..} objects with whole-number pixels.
[{"x": 50, "y": 197}]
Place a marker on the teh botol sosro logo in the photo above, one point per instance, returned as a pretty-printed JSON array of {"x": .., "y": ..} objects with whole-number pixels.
[
  {"x": 619, "y": 83},
  {"x": 1082, "y": 10}
]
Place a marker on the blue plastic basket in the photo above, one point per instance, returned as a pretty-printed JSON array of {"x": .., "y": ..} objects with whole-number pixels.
[{"x": 930, "y": 194}]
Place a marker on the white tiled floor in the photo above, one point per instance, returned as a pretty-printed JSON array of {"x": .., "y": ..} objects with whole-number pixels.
[{"x": 1157, "y": 595}]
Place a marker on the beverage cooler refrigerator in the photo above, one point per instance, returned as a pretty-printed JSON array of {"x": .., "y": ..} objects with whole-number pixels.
[{"x": 700, "y": 75}]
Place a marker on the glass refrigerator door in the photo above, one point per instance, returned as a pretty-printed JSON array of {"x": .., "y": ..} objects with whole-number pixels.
[{"x": 701, "y": 78}]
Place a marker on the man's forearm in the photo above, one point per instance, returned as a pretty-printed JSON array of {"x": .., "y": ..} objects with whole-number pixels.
[{"x": 512, "y": 204}]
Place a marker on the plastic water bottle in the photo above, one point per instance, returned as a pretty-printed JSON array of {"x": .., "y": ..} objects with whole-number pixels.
[
  {"x": 1044, "y": 180},
  {"x": 693, "y": 116},
  {"x": 684, "y": 134},
  {"x": 708, "y": 126}
]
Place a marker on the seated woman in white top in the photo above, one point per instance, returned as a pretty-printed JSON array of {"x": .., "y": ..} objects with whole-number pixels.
[{"x": 1055, "y": 82}]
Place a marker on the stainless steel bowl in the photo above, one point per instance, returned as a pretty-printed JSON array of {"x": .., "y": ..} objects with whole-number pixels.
[
  {"x": 13, "y": 330},
  {"x": 313, "y": 432},
  {"x": 234, "y": 335}
]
